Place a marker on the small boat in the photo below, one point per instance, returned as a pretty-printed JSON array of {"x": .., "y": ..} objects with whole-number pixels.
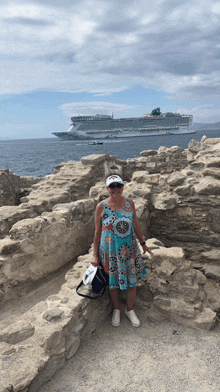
[{"x": 95, "y": 143}]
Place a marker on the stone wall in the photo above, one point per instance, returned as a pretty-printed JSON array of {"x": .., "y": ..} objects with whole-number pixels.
[
  {"x": 39, "y": 246},
  {"x": 176, "y": 193}
]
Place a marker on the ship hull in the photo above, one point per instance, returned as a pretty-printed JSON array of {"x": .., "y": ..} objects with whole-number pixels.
[{"x": 127, "y": 127}]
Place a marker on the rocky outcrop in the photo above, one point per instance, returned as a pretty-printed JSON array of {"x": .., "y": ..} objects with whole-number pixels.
[
  {"x": 13, "y": 187},
  {"x": 178, "y": 290},
  {"x": 177, "y": 198},
  {"x": 70, "y": 182},
  {"x": 39, "y": 246}
]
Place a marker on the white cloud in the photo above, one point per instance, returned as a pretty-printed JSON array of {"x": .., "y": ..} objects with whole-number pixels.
[
  {"x": 107, "y": 46},
  {"x": 206, "y": 114},
  {"x": 92, "y": 108}
]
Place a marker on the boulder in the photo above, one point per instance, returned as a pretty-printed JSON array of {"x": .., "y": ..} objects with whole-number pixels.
[
  {"x": 212, "y": 256},
  {"x": 22, "y": 330},
  {"x": 176, "y": 178},
  {"x": 174, "y": 307},
  {"x": 164, "y": 201},
  {"x": 194, "y": 146},
  {"x": 148, "y": 153},
  {"x": 53, "y": 314},
  {"x": 206, "y": 320},
  {"x": 212, "y": 272},
  {"x": 183, "y": 190},
  {"x": 208, "y": 186}
]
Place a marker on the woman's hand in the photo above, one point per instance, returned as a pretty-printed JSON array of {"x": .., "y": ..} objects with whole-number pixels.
[
  {"x": 146, "y": 249},
  {"x": 96, "y": 262}
]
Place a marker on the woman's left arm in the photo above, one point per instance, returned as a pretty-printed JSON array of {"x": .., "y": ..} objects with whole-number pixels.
[{"x": 138, "y": 230}]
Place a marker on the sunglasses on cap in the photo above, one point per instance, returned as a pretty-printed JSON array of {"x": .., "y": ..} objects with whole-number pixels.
[{"x": 113, "y": 186}]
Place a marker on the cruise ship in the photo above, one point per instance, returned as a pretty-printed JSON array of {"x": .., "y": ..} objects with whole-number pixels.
[{"x": 103, "y": 126}]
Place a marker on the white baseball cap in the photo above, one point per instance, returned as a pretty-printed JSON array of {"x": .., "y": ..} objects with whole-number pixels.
[{"x": 114, "y": 178}]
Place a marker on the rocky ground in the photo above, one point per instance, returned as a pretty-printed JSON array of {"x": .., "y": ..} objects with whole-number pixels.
[
  {"x": 157, "y": 357},
  {"x": 12, "y": 310}
]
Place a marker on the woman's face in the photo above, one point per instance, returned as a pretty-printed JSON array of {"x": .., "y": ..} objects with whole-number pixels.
[{"x": 115, "y": 192}]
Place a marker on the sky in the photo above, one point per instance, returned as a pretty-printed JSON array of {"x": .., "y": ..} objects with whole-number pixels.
[{"x": 63, "y": 58}]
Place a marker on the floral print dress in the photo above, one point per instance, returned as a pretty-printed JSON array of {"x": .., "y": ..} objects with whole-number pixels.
[{"x": 118, "y": 249}]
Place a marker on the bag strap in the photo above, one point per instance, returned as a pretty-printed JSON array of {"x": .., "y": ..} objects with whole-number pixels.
[{"x": 88, "y": 296}]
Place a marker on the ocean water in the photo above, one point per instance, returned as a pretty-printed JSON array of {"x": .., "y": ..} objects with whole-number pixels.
[{"x": 38, "y": 157}]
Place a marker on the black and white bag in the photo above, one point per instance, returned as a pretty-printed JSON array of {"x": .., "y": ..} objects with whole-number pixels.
[{"x": 95, "y": 278}]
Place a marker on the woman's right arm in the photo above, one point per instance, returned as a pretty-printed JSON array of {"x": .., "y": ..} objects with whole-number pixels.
[{"x": 98, "y": 231}]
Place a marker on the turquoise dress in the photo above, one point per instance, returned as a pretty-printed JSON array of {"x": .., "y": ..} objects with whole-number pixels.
[{"x": 118, "y": 249}]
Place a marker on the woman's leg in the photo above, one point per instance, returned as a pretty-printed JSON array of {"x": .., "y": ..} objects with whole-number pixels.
[
  {"x": 114, "y": 297},
  {"x": 131, "y": 295}
]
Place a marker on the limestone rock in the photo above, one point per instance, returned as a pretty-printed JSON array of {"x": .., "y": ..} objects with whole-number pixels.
[
  {"x": 8, "y": 246},
  {"x": 164, "y": 201},
  {"x": 93, "y": 159},
  {"x": 212, "y": 271},
  {"x": 206, "y": 320},
  {"x": 53, "y": 314},
  {"x": 212, "y": 141},
  {"x": 9, "y": 215},
  {"x": 208, "y": 186},
  {"x": 176, "y": 178},
  {"x": 72, "y": 345},
  {"x": 174, "y": 306},
  {"x": 183, "y": 190},
  {"x": 201, "y": 279},
  {"x": 98, "y": 189},
  {"x": 212, "y": 256},
  {"x": 194, "y": 146},
  {"x": 166, "y": 269},
  {"x": 27, "y": 228},
  {"x": 148, "y": 153},
  {"x": 197, "y": 166},
  {"x": 211, "y": 172},
  {"x": 139, "y": 177},
  {"x": 213, "y": 162},
  {"x": 39, "y": 308},
  {"x": 12, "y": 187},
  {"x": 1, "y": 295},
  {"x": 152, "y": 179},
  {"x": 173, "y": 255},
  {"x": 17, "y": 332},
  {"x": 3, "y": 389},
  {"x": 6, "y": 349},
  {"x": 213, "y": 295}
]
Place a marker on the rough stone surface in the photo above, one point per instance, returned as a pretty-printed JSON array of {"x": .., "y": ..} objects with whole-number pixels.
[
  {"x": 164, "y": 201},
  {"x": 53, "y": 314},
  {"x": 177, "y": 198},
  {"x": 13, "y": 187},
  {"x": 33, "y": 352},
  {"x": 206, "y": 320},
  {"x": 37, "y": 247},
  {"x": 17, "y": 332},
  {"x": 212, "y": 271},
  {"x": 176, "y": 178}
]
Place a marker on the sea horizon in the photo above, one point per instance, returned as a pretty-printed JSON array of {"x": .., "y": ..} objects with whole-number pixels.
[{"x": 39, "y": 156}]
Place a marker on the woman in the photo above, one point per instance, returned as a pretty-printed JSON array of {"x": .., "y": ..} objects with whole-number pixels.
[{"x": 115, "y": 246}]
